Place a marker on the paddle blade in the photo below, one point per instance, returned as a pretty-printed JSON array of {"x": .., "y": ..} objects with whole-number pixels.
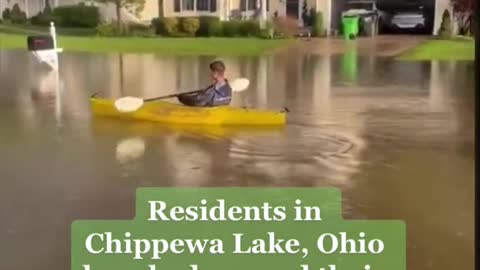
[
  {"x": 239, "y": 85},
  {"x": 128, "y": 104}
]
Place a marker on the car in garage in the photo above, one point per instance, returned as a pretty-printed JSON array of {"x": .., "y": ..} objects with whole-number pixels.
[{"x": 409, "y": 20}]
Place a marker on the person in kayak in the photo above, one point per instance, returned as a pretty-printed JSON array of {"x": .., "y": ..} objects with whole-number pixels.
[{"x": 217, "y": 94}]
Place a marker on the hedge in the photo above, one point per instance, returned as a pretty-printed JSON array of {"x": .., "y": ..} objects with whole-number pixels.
[
  {"x": 206, "y": 26},
  {"x": 317, "y": 25},
  {"x": 209, "y": 26},
  {"x": 189, "y": 26},
  {"x": 77, "y": 16},
  {"x": 69, "y": 16}
]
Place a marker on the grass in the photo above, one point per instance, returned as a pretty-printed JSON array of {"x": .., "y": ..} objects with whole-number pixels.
[
  {"x": 455, "y": 49},
  {"x": 14, "y": 37}
]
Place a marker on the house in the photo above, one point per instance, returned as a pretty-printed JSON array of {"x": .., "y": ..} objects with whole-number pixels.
[
  {"x": 432, "y": 8},
  {"x": 224, "y": 9},
  {"x": 228, "y": 9}
]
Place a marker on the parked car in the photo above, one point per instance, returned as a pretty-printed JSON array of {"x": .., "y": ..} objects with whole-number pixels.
[{"x": 409, "y": 20}]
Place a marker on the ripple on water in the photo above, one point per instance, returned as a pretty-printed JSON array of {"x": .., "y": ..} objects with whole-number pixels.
[{"x": 301, "y": 151}]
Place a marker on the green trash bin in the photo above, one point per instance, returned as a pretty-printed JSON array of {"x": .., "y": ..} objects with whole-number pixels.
[{"x": 350, "y": 26}]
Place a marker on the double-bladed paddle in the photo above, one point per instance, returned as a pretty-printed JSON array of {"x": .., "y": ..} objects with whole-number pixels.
[{"x": 131, "y": 104}]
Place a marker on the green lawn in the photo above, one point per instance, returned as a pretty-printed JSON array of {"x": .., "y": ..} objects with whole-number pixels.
[
  {"x": 81, "y": 40},
  {"x": 455, "y": 49}
]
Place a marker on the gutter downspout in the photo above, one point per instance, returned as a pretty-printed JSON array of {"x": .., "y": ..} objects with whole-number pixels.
[
  {"x": 434, "y": 30},
  {"x": 300, "y": 9},
  {"x": 160, "y": 9},
  {"x": 263, "y": 17},
  {"x": 328, "y": 18},
  {"x": 26, "y": 8},
  {"x": 227, "y": 8}
]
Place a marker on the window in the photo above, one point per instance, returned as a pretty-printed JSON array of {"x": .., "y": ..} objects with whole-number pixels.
[
  {"x": 176, "y": 6},
  {"x": 195, "y": 5},
  {"x": 188, "y": 5},
  {"x": 213, "y": 5},
  {"x": 203, "y": 5},
  {"x": 246, "y": 5}
]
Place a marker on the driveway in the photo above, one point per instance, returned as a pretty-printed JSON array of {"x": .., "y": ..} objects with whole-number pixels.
[{"x": 383, "y": 45}]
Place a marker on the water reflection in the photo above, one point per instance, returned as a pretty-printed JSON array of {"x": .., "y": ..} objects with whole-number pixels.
[
  {"x": 396, "y": 137},
  {"x": 130, "y": 149}
]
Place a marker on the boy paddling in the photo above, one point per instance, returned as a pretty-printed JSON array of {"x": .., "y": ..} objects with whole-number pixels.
[{"x": 217, "y": 94}]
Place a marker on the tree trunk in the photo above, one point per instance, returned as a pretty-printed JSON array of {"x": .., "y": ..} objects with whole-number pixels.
[{"x": 118, "y": 9}]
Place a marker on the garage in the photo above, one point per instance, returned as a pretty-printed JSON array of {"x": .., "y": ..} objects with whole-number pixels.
[
  {"x": 412, "y": 17},
  {"x": 395, "y": 16}
]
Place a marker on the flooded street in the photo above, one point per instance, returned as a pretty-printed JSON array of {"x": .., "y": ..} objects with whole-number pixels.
[{"x": 396, "y": 137}]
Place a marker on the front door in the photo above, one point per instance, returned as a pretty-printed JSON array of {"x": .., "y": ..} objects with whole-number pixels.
[{"x": 293, "y": 8}]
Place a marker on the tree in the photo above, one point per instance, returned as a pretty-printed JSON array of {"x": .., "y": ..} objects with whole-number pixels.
[
  {"x": 463, "y": 11},
  {"x": 136, "y": 5}
]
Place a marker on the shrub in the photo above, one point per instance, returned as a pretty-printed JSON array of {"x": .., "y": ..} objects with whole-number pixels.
[
  {"x": 108, "y": 30},
  {"x": 189, "y": 25},
  {"x": 317, "y": 25},
  {"x": 209, "y": 26},
  {"x": 165, "y": 26},
  {"x": 215, "y": 29},
  {"x": 77, "y": 16},
  {"x": 268, "y": 31},
  {"x": 17, "y": 15},
  {"x": 156, "y": 24},
  {"x": 445, "y": 30},
  {"x": 285, "y": 26},
  {"x": 231, "y": 28},
  {"x": 136, "y": 29},
  {"x": 6, "y": 14},
  {"x": 249, "y": 28},
  {"x": 42, "y": 19}
]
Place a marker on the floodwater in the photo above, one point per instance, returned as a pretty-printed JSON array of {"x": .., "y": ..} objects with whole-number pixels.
[{"x": 395, "y": 137}]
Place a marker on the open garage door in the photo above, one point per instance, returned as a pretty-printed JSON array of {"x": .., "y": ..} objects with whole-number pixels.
[
  {"x": 408, "y": 17},
  {"x": 401, "y": 8}
]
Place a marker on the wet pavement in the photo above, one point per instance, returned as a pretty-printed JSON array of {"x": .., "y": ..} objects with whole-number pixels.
[
  {"x": 381, "y": 46},
  {"x": 395, "y": 137}
]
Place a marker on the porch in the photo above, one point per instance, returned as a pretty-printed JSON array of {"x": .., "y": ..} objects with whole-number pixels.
[{"x": 246, "y": 9}]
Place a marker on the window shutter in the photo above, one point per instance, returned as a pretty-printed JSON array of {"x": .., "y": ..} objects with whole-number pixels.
[
  {"x": 176, "y": 6},
  {"x": 213, "y": 5},
  {"x": 268, "y": 5},
  {"x": 243, "y": 5},
  {"x": 252, "y": 5}
]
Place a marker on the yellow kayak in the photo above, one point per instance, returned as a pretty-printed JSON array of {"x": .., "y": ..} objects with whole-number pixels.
[{"x": 170, "y": 113}]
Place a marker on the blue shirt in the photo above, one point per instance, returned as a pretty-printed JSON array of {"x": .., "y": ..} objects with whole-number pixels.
[{"x": 219, "y": 94}]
